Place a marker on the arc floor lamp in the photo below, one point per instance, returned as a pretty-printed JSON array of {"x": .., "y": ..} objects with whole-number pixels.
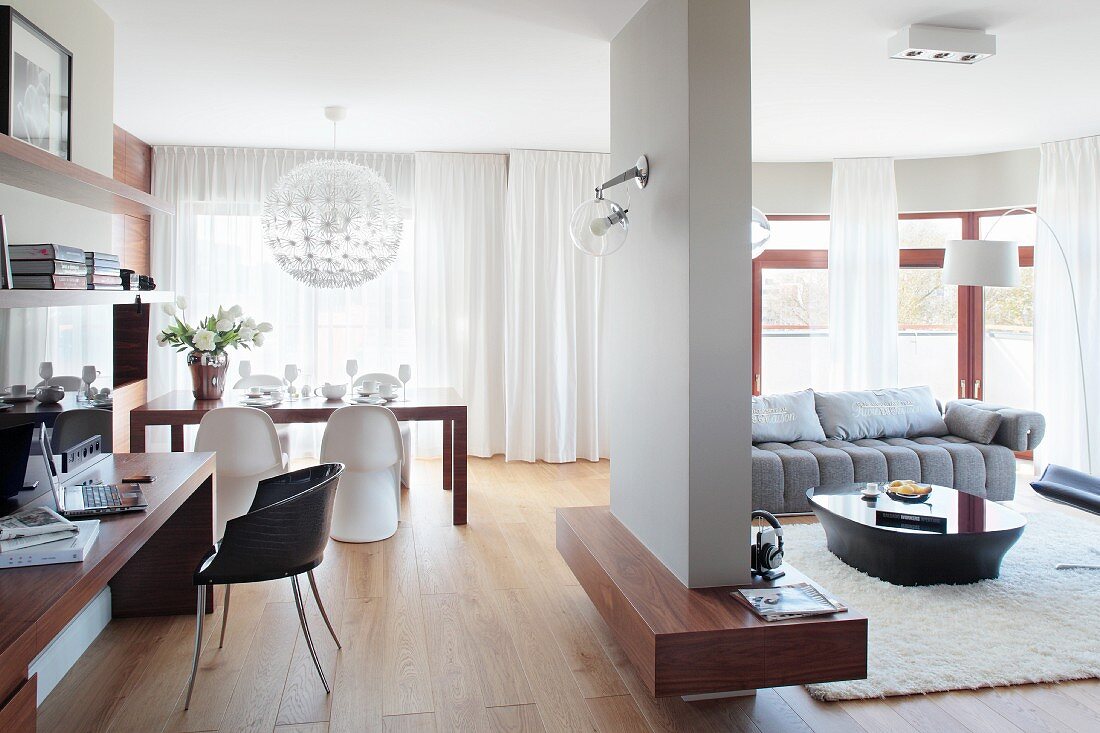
[{"x": 993, "y": 263}]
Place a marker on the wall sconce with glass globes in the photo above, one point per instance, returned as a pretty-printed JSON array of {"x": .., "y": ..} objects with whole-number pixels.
[{"x": 599, "y": 226}]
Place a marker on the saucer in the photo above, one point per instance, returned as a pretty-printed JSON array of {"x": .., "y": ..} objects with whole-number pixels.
[
  {"x": 5, "y": 406},
  {"x": 19, "y": 398}
]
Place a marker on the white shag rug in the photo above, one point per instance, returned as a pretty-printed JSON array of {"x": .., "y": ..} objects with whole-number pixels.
[{"x": 1033, "y": 624}]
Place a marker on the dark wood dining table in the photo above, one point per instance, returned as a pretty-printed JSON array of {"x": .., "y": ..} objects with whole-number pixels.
[
  {"x": 33, "y": 411},
  {"x": 179, "y": 408}
]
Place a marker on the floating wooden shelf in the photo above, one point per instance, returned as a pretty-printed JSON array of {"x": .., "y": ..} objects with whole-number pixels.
[
  {"x": 61, "y": 298},
  {"x": 32, "y": 169},
  {"x": 686, "y": 641}
]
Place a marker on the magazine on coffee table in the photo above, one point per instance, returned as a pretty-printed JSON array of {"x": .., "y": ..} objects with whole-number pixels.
[{"x": 787, "y": 601}]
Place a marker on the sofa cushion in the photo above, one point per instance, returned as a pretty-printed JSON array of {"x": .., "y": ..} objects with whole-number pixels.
[
  {"x": 880, "y": 413},
  {"x": 979, "y": 426},
  {"x": 785, "y": 418}
]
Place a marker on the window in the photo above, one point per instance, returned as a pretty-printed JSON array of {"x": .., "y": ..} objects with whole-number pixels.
[
  {"x": 962, "y": 341},
  {"x": 1007, "y": 356}
]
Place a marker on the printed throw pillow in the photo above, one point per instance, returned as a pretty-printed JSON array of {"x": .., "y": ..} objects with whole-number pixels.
[
  {"x": 880, "y": 413},
  {"x": 785, "y": 418}
]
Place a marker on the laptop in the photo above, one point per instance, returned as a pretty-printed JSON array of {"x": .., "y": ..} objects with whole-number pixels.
[{"x": 90, "y": 499}]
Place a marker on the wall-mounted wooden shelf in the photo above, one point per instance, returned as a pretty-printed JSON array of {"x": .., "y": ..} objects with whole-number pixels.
[
  {"x": 32, "y": 169},
  {"x": 61, "y": 298}
]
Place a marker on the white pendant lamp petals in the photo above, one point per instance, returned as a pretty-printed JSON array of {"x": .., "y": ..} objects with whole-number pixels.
[{"x": 332, "y": 223}]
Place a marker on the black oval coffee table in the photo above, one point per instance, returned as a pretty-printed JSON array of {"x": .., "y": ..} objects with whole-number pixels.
[{"x": 961, "y": 538}]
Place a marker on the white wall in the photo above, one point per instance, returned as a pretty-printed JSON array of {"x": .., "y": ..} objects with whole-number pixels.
[
  {"x": 678, "y": 294},
  {"x": 75, "y": 336},
  {"x": 962, "y": 183}
]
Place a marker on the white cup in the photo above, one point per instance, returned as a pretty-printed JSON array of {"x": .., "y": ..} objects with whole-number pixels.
[
  {"x": 388, "y": 390},
  {"x": 333, "y": 391},
  {"x": 18, "y": 390},
  {"x": 255, "y": 391},
  {"x": 369, "y": 387}
]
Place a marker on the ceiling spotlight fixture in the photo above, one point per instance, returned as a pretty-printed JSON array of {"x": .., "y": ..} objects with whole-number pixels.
[
  {"x": 939, "y": 43},
  {"x": 599, "y": 227}
]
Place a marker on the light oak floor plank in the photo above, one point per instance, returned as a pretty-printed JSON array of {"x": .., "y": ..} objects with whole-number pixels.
[
  {"x": 479, "y": 627},
  {"x": 515, "y": 719}
]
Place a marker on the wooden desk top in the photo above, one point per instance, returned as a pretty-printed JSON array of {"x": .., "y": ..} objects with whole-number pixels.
[
  {"x": 181, "y": 408},
  {"x": 36, "y": 602}
]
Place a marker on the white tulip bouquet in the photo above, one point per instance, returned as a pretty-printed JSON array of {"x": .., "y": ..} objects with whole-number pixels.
[{"x": 213, "y": 334}]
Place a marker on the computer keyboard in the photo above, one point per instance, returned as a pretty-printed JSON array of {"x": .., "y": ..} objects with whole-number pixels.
[{"x": 97, "y": 496}]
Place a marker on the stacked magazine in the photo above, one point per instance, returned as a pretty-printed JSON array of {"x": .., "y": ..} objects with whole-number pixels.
[
  {"x": 33, "y": 526},
  {"x": 787, "y": 601}
]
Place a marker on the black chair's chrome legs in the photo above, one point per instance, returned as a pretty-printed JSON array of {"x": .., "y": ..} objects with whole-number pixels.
[
  {"x": 305, "y": 630},
  {"x": 225, "y": 614},
  {"x": 200, "y": 612},
  {"x": 324, "y": 613}
]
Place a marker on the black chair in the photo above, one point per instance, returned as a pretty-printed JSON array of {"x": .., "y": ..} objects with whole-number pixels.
[
  {"x": 283, "y": 535},
  {"x": 1077, "y": 489}
]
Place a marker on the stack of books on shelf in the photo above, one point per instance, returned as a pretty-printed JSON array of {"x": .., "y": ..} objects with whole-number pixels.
[
  {"x": 104, "y": 271},
  {"x": 48, "y": 267}
]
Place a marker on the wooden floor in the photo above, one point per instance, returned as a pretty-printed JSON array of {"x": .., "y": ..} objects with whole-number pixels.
[{"x": 479, "y": 627}]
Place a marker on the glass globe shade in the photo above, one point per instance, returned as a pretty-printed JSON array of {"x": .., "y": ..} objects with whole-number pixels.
[
  {"x": 760, "y": 233},
  {"x": 599, "y": 227}
]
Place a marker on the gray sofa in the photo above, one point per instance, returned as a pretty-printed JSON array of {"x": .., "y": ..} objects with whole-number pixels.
[{"x": 977, "y": 462}]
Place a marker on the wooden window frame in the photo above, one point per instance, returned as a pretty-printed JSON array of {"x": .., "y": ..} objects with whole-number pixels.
[{"x": 970, "y": 309}]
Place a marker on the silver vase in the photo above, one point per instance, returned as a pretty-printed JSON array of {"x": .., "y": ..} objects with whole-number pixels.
[{"x": 208, "y": 374}]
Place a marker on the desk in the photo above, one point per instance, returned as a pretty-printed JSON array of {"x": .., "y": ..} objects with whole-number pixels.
[
  {"x": 34, "y": 411},
  {"x": 180, "y": 408},
  {"x": 148, "y": 558}
]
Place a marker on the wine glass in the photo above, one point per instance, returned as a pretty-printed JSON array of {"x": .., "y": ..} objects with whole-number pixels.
[
  {"x": 291, "y": 372},
  {"x": 88, "y": 375},
  {"x": 245, "y": 368},
  {"x": 45, "y": 370},
  {"x": 352, "y": 368},
  {"x": 405, "y": 373}
]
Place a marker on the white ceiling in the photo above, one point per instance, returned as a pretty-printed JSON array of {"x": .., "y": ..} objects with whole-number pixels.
[{"x": 487, "y": 75}]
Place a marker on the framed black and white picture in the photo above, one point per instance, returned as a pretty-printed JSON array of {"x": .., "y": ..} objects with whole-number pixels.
[{"x": 35, "y": 85}]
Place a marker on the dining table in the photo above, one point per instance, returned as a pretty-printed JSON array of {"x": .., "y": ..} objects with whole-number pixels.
[
  {"x": 179, "y": 408},
  {"x": 39, "y": 413}
]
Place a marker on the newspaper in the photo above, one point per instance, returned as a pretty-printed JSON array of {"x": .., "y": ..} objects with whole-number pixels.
[{"x": 33, "y": 521}]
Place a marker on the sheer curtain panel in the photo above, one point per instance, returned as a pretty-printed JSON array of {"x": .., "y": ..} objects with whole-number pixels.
[
  {"x": 212, "y": 252},
  {"x": 1069, "y": 199},
  {"x": 460, "y": 293},
  {"x": 552, "y": 326},
  {"x": 863, "y": 274}
]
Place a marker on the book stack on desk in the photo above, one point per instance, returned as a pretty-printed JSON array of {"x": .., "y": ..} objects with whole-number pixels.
[
  {"x": 41, "y": 536},
  {"x": 48, "y": 267},
  {"x": 104, "y": 271}
]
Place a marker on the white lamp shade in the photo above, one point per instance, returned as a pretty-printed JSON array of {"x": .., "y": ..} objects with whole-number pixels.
[{"x": 982, "y": 262}]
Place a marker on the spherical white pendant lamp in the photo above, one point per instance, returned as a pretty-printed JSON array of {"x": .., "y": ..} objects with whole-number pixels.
[{"x": 332, "y": 223}]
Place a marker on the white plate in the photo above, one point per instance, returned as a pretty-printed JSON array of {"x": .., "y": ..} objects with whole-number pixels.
[
  {"x": 377, "y": 401},
  {"x": 20, "y": 398},
  {"x": 5, "y": 406}
]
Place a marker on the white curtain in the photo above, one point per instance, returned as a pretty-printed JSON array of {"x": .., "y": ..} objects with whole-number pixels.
[
  {"x": 212, "y": 253},
  {"x": 1069, "y": 200},
  {"x": 460, "y": 290},
  {"x": 553, "y": 307},
  {"x": 863, "y": 274}
]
